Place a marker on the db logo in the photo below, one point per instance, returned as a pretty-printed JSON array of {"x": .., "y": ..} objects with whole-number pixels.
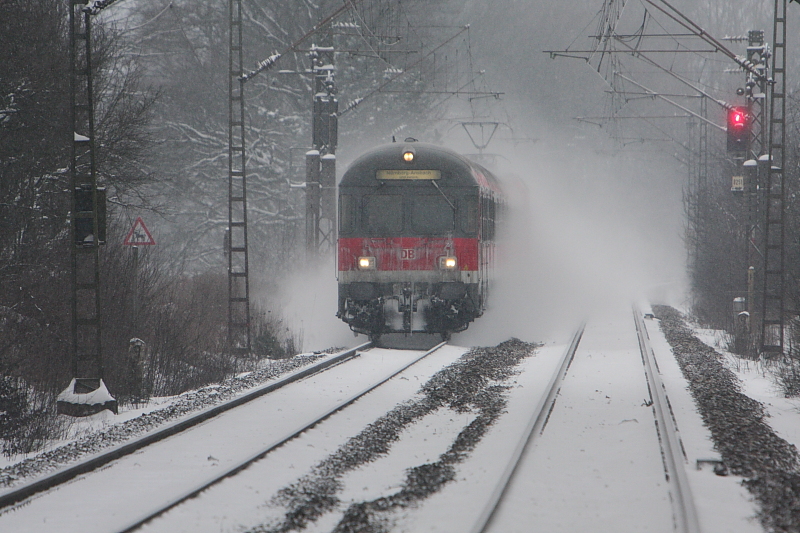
[{"x": 407, "y": 254}]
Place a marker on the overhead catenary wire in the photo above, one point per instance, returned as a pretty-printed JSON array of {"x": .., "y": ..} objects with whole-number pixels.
[
  {"x": 369, "y": 23},
  {"x": 440, "y": 71},
  {"x": 400, "y": 74},
  {"x": 671, "y": 102},
  {"x": 270, "y": 62},
  {"x": 615, "y": 47},
  {"x": 640, "y": 55},
  {"x": 690, "y": 25}
]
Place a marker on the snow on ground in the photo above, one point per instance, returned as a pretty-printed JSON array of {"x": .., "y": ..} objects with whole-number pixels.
[
  {"x": 603, "y": 469},
  {"x": 723, "y": 504},
  {"x": 247, "y": 499},
  {"x": 90, "y": 434},
  {"x": 479, "y": 476},
  {"x": 759, "y": 383},
  {"x": 598, "y": 459},
  {"x": 130, "y": 486},
  {"x": 79, "y": 428}
]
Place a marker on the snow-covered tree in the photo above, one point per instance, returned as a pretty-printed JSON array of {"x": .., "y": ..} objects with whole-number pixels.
[{"x": 35, "y": 140}]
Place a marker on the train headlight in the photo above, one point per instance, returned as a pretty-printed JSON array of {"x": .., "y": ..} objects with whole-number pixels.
[
  {"x": 366, "y": 263},
  {"x": 448, "y": 263},
  {"x": 409, "y": 154}
]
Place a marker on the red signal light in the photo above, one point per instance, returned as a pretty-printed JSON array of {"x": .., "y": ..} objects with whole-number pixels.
[
  {"x": 738, "y": 117},
  {"x": 738, "y": 129}
]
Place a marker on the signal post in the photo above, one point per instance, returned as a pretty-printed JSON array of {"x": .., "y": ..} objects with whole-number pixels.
[
  {"x": 86, "y": 394},
  {"x": 746, "y": 141},
  {"x": 321, "y": 159}
]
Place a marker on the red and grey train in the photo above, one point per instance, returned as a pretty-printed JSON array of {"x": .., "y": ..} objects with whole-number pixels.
[{"x": 417, "y": 229}]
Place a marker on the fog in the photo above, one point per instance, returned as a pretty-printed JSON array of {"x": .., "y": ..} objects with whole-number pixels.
[
  {"x": 585, "y": 230},
  {"x": 591, "y": 223},
  {"x": 591, "y": 231},
  {"x": 308, "y": 301}
]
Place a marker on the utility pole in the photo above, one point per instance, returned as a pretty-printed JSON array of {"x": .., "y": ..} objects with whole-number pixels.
[
  {"x": 772, "y": 316},
  {"x": 755, "y": 90},
  {"x": 236, "y": 233},
  {"x": 321, "y": 159},
  {"x": 86, "y": 394},
  {"x": 320, "y": 177}
]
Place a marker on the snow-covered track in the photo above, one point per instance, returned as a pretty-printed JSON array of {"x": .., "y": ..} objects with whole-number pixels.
[
  {"x": 601, "y": 457},
  {"x": 685, "y": 513},
  {"x": 535, "y": 425},
  {"x": 94, "y": 462},
  {"x": 232, "y": 471}
]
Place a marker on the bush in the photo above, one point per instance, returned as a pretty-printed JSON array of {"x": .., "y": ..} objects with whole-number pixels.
[
  {"x": 27, "y": 419},
  {"x": 787, "y": 374}
]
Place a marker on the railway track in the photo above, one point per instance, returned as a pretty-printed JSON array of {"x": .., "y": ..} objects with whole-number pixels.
[
  {"x": 548, "y": 377},
  {"x": 136, "y": 509},
  {"x": 232, "y": 471},
  {"x": 686, "y": 520},
  {"x": 683, "y": 512},
  {"x": 534, "y": 427},
  {"x": 61, "y": 476}
]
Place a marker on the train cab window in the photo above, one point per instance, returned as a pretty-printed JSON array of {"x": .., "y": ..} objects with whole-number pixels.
[
  {"x": 468, "y": 215},
  {"x": 347, "y": 214},
  {"x": 487, "y": 218},
  {"x": 383, "y": 214},
  {"x": 490, "y": 226},
  {"x": 431, "y": 215}
]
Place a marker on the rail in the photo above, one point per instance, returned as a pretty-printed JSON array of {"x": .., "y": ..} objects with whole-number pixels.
[
  {"x": 92, "y": 463},
  {"x": 279, "y": 442},
  {"x": 686, "y": 520},
  {"x": 534, "y": 427}
]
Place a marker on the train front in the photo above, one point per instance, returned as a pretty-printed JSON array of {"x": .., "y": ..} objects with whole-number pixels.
[{"x": 413, "y": 256}]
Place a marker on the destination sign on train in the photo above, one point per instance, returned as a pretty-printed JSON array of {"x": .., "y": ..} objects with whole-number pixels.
[{"x": 409, "y": 174}]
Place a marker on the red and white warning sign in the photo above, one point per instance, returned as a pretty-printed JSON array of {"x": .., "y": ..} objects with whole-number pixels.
[{"x": 139, "y": 235}]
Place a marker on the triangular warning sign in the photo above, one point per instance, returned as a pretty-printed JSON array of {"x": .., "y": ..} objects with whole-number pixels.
[{"x": 139, "y": 235}]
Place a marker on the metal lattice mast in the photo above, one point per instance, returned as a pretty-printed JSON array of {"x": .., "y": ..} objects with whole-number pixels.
[
  {"x": 87, "y": 228},
  {"x": 756, "y": 90},
  {"x": 772, "y": 324},
  {"x": 321, "y": 160},
  {"x": 236, "y": 237},
  {"x": 692, "y": 196}
]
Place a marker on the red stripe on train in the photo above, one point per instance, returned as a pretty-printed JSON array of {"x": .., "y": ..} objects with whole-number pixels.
[{"x": 408, "y": 253}]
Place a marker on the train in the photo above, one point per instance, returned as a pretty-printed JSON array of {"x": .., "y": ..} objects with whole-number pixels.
[{"x": 417, "y": 238}]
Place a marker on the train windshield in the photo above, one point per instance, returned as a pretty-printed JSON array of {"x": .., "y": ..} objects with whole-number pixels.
[
  {"x": 383, "y": 214},
  {"x": 347, "y": 213},
  {"x": 469, "y": 215},
  {"x": 431, "y": 215}
]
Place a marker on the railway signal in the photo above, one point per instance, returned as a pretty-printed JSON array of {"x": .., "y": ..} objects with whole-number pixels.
[
  {"x": 87, "y": 207},
  {"x": 86, "y": 394},
  {"x": 738, "y": 129}
]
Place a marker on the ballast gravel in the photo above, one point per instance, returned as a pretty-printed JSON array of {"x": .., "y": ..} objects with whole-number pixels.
[
  {"x": 477, "y": 383},
  {"x": 185, "y": 404},
  {"x": 749, "y": 447}
]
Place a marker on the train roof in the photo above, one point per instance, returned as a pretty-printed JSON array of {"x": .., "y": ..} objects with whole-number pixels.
[{"x": 456, "y": 170}]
